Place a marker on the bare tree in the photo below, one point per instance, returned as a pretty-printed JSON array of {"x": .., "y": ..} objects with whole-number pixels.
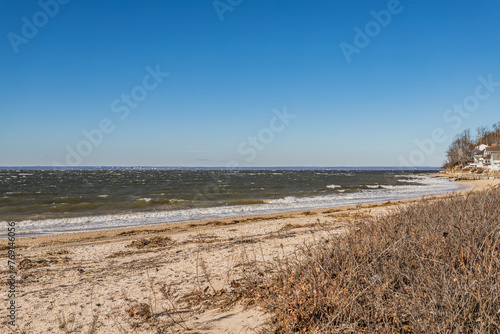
[
  {"x": 481, "y": 134},
  {"x": 496, "y": 130},
  {"x": 459, "y": 151}
]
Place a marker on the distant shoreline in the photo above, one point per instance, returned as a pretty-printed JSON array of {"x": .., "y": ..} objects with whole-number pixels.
[{"x": 381, "y": 168}]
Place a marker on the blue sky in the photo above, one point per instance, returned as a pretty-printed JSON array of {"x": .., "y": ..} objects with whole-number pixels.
[{"x": 233, "y": 66}]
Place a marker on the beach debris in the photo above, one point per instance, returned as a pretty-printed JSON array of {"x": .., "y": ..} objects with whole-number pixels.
[
  {"x": 152, "y": 242},
  {"x": 235, "y": 284},
  {"x": 142, "y": 310},
  {"x": 219, "y": 292},
  {"x": 28, "y": 263},
  {"x": 59, "y": 252},
  {"x": 129, "y": 253}
]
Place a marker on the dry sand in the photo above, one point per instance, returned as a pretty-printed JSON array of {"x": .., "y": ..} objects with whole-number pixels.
[{"x": 65, "y": 281}]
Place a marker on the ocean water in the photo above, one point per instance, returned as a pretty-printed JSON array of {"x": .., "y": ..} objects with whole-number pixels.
[{"x": 56, "y": 201}]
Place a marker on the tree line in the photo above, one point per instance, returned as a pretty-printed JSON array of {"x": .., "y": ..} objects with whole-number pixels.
[{"x": 465, "y": 142}]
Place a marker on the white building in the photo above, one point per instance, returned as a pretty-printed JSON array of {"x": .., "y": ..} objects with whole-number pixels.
[
  {"x": 485, "y": 156},
  {"x": 477, "y": 156},
  {"x": 492, "y": 156}
]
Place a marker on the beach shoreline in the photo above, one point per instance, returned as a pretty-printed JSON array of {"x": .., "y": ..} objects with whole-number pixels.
[
  {"x": 77, "y": 275},
  {"x": 171, "y": 227},
  {"x": 88, "y": 222}
]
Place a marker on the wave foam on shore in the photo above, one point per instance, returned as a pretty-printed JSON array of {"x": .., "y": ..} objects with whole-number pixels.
[{"x": 426, "y": 187}]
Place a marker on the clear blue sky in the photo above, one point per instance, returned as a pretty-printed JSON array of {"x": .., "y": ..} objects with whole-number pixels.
[{"x": 229, "y": 66}]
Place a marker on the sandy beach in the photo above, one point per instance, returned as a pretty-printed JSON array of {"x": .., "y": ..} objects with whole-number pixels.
[{"x": 140, "y": 279}]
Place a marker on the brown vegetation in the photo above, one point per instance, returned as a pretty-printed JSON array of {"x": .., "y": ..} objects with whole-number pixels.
[
  {"x": 151, "y": 243},
  {"x": 432, "y": 267},
  {"x": 458, "y": 152}
]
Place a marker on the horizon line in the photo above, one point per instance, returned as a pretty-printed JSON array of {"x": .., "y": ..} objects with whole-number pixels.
[{"x": 210, "y": 167}]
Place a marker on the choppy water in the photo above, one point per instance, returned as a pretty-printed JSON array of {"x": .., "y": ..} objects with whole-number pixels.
[{"x": 55, "y": 201}]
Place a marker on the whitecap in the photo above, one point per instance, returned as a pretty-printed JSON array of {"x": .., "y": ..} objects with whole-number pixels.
[{"x": 290, "y": 203}]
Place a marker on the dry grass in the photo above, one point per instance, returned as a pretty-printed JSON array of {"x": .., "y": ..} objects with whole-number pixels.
[
  {"x": 309, "y": 213},
  {"x": 28, "y": 263},
  {"x": 289, "y": 227},
  {"x": 233, "y": 222},
  {"x": 153, "y": 242},
  {"x": 6, "y": 247},
  {"x": 59, "y": 252},
  {"x": 431, "y": 267},
  {"x": 131, "y": 253}
]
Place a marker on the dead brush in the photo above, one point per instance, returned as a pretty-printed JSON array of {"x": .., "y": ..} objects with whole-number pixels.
[
  {"x": 243, "y": 276},
  {"x": 431, "y": 267},
  {"x": 152, "y": 242},
  {"x": 67, "y": 325}
]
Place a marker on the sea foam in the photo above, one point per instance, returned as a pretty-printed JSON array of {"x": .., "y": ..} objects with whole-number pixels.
[{"x": 426, "y": 187}]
